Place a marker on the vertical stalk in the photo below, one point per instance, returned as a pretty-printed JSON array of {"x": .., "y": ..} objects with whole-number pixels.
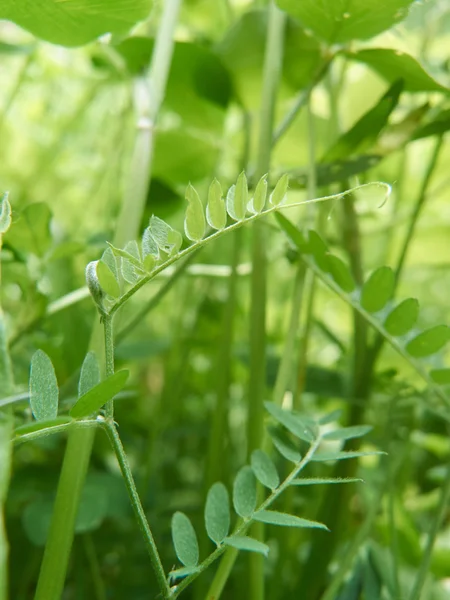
[
  {"x": 109, "y": 358},
  {"x": 79, "y": 446}
]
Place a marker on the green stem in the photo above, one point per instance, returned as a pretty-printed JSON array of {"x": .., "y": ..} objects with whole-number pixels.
[
  {"x": 109, "y": 359},
  {"x": 116, "y": 443}
]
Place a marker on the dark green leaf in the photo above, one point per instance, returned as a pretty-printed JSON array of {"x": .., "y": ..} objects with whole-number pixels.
[
  {"x": 90, "y": 374},
  {"x": 246, "y": 543},
  {"x": 274, "y": 517},
  {"x": 429, "y": 342},
  {"x": 337, "y": 21},
  {"x": 294, "y": 234},
  {"x": 294, "y": 423},
  {"x": 284, "y": 445},
  {"x": 264, "y": 469},
  {"x": 336, "y": 171},
  {"x": 217, "y": 513},
  {"x": 340, "y": 273},
  {"x": 394, "y": 64},
  {"x": 324, "y": 480},
  {"x": 74, "y": 22},
  {"x": 378, "y": 289},
  {"x": 403, "y": 317},
  {"x": 43, "y": 387},
  {"x": 184, "y": 540},
  {"x": 365, "y": 131},
  {"x": 438, "y": 125},
  {"x": 319, "y": 250},
  {"x": 347, "y": 433},
  {"x": 244, "y": 492},
  {"x": 440, "y": 376},
  {"x": 99, "y": 395},
  {"x": 194, "y": 221}
]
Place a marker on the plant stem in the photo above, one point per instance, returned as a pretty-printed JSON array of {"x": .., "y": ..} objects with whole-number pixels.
[
  {"x": 158, "y": 569},
  {"x": 109, "y": 359}
]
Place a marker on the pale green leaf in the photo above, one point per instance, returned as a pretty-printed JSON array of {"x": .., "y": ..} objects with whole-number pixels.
[
  {"x": 31, "y": 231},
  {"x": 258, "y": 201},
  {"x": 107, "y": 279},
  {"x": 217, "y": 513},
  {"x": 166, "y": 238},
  {"x": 96, "y": 397},
  {"x": 279, "y": 193},
  {"x": 347, "y": 433},
  {"x": 44, "y": 393},
  {"x": 378, "y": 289},
  {"x": 74, "y": 22},
  {"x": 324, "y": 480},
  {"x": 130, "y": 252},
  {"x": 149, "y": 245},
  {"x": 194, "y": 221},
  {"x": 341, "y": 455},
  {"x": 242, "y": 542},
  {"x": 237, "y": 198},
  {"x": 297, "y": 425},
  {"x": 5, "y": 213},
  {"x": 429, "y": 342},
  {"x": 337, "y": 21},
  {"x": 284, "y": 445},
  {"x": 244, "y": 492},
  {"x": 402, "y": 318},
  {"x": 264, "y": 469},
  {"x": 90, "y": 374},
  {"x": 216, "y": 212},
  {"x": 184, "y": 540},
  {"x": 273, "y": 517}
]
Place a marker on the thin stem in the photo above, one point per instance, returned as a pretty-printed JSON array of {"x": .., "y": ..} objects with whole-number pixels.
[
  {"x": 92, "y": 560},
  {"x": 109, "y": 359},
  {"x": 424, "y": 568},
  {"x": 158, "y": 569}
]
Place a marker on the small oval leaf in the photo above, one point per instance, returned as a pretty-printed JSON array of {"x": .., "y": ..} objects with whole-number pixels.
[
  {"x": 318, "y": 248},
  {"x": 264, "y": 469},
  {"x": 107, "y": 280},
  {"x": 273, "y": 517},
  {"x": 341, "y": 274},
  {"x": 237, "y": 198},
  {"x": 216, "y": 213},
  {"x": 242, "y": 542},
  {"x": 90, "y": 374},
  {"x": 194, "y": 221},
  {"x": 279, "y": 193},
  {"x": 429, "y": 342},
  {"x": 257, "y": 203},
  {"x": 244, "y": 492},
  {"x": 403, "y": 318},
  {"x": 5, "y": 213},
  {"x": 44, "y": 393},
  {"x": 378, "y": 289},
  {"x": 217, "y": 513},
  {"x": 99, "y": 395},
  {"x": 184, "y": 540}
]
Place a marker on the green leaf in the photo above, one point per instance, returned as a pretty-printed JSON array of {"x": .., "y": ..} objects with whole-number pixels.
[
  {"x": 217, "y": 513},
  {"x": 429, "y": 342},
  {"x": 294, "y": 234},
  {"x": 403, "y": 317},
  {"x": 107, "y": 279},
  {"x": 5, "y": 214},
  {"x": 257, "y": 203},
  {"x": 319, "y": 250},
  {"x": 237, "y": 198},
  {"x": 149, "y": 246},
  {"x": 242, "y": 542},
  {"x": 273, "y": 517},
  {"x": 284, "y": 445},
  {"x": 130, "y": 252},
  {"x": 341, "y": 455},
  {"x": 294, "y": 423},
  {"x": 166, "y": 238},
  {"x": 324, "y": 480},
  {"x": 337, "y": 21},
  {"x": 264, "y": 469},
  {"x": 194, "y": 222},
  {"x": 90, "y": 374},
  {"x": 177, "y": 574},
  {"x": 279, "y": 193},
  {"x": 378, "y": 289},
  {"x": 340, "y": 272},
  {"x": 393, "y": 64},
  {"x": 244, "y": 492},
  {"x": 131, "y": 266},
  {"x": 74, "y": 22},
  {"x": 440, "y": 376},
  {"x": 39, "y": 425},
  {"x": 436, "y": 126},
  {"x": 31, "y": 231},
  {"x": 216, "y": 212},
  {"x": 347, "y": 433},
  {"x": 44, "y": 393},
  {"x": 365, "y": 131},
  {"x": 99, "y": 395},
  {"x": 184, "y": 540}
]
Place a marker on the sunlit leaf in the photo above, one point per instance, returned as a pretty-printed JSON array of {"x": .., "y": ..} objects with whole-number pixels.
[
  {"x": 441, "y": 376},
  {"x": 216, "y": 213},
  {"x": 217, "y": 513},
  {"x": 184, "y": 540},
  {"x": 244, "y": 492},
  {"x": 378, "y": 289},
  {"x": 96, "y": 397},
  {"x": 264, "y": 469},
  {"x": 44, "y": 393},
  {"x": 347, "y": 433},
  {"x": 237, "y": 198},
  {"x": 273, "y": 517},
  {"x": 403, "y": 317},
  {"x": 241, "y": 542},
  {"x": 31, "y": 231},
  {"x": 166, "y": 238},
  {"x": 107, "y": 280},
  {"x": 5, "y": 213},
  {"x": 194, "y": 221},
  {"x": 90, "y": 374},
  {"x": 429, "y": 342},
  {"x": 324, "y": 480},
  {"x": 258, "y": 201},
  {"x": 341, "y": 455},
  {"x": 279, "y": 193}
]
